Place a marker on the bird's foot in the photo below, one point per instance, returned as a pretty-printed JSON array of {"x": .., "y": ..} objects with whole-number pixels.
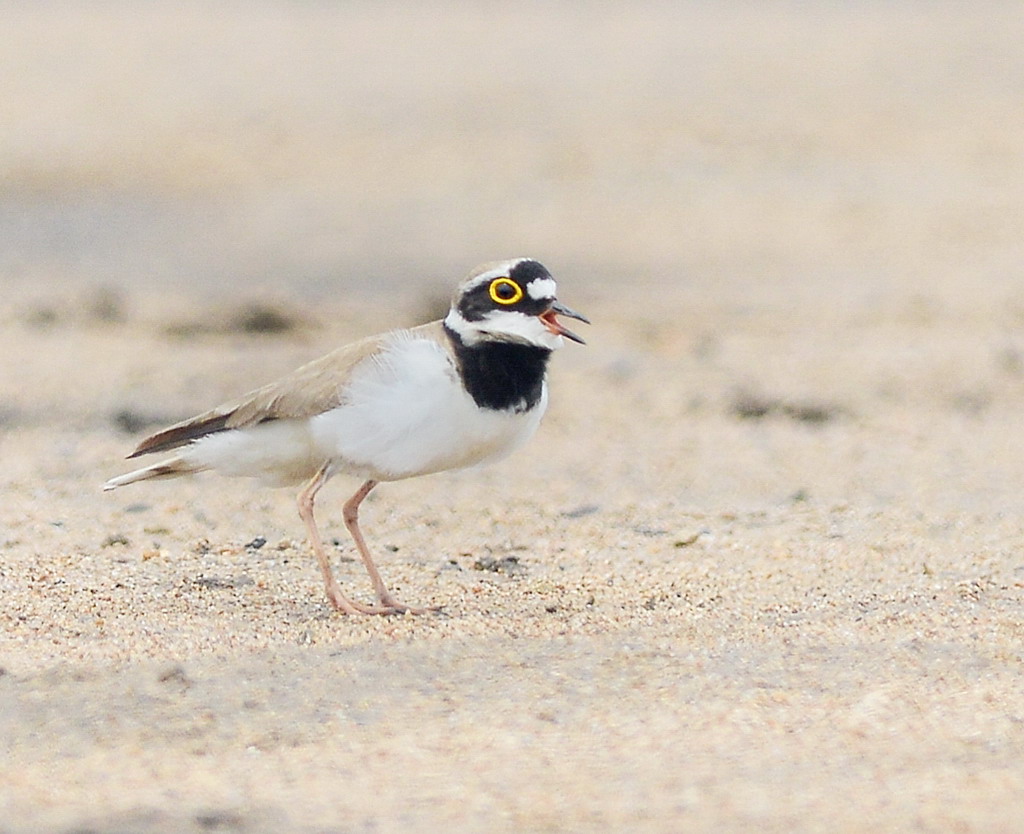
[
  {"x": 388, "y": 605},
  {"x": 394, "y": 606},
  {"x": 350, "y": 606}
]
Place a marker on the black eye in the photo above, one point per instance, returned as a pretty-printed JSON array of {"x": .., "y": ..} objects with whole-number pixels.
[{"x": 505, "y": 291}]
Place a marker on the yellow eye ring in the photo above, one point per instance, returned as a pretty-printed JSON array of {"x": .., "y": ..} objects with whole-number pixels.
[{"x": 499, "y": 291}]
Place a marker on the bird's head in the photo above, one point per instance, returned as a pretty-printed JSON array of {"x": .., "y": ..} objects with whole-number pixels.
[{"x": 511, "y": 301}]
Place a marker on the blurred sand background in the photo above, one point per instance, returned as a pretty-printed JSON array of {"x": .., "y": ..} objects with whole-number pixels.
[{"x": 762, "y": 567}]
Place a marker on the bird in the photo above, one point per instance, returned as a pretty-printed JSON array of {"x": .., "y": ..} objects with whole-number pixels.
[{"x": 461, "y": 391}]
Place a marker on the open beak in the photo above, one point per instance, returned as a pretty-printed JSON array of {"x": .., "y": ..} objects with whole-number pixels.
[{"x": 550, "y": 319}]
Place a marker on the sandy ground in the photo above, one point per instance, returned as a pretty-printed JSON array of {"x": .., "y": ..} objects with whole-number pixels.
[{"x": 761, "y": 569}]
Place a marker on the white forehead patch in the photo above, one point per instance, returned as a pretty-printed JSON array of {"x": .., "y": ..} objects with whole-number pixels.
[{"x": 542, "y": 288}]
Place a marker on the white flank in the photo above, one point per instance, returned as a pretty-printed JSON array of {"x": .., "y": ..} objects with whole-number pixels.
[
  {"x": 279, "y": 453},
  {"x": 406, "y": 413}
]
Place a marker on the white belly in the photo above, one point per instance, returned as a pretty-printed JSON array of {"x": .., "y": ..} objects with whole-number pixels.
[
  {"x": 404, "y": 413},
  {"x": 407, "y": 414}
]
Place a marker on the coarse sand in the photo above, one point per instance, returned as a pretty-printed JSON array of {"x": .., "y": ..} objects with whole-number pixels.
[{"x": 762, "y": 568}]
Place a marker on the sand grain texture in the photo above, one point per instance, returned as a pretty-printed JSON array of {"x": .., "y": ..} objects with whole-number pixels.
[{"x": 761, "y": 569}]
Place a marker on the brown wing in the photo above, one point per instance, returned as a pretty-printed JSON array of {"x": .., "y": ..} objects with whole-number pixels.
[{"x": 310, "y": 390}]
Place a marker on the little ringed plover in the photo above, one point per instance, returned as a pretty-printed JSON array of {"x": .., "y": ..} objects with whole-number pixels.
[{"x": 465, "y": 390}]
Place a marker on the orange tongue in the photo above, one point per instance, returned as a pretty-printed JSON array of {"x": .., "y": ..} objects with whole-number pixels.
[{"x": 550, "y": 319}]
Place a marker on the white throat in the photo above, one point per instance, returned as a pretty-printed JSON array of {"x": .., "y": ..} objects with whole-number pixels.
[{"x": 504, "y": 326}]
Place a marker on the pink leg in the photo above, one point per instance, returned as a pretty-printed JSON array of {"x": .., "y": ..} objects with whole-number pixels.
[
  {"x": 351, "y": 515},
  {"x": 334, "y": 592}
]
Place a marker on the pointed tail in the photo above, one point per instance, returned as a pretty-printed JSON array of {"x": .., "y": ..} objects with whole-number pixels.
[{"x": 170, "y": 468}]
